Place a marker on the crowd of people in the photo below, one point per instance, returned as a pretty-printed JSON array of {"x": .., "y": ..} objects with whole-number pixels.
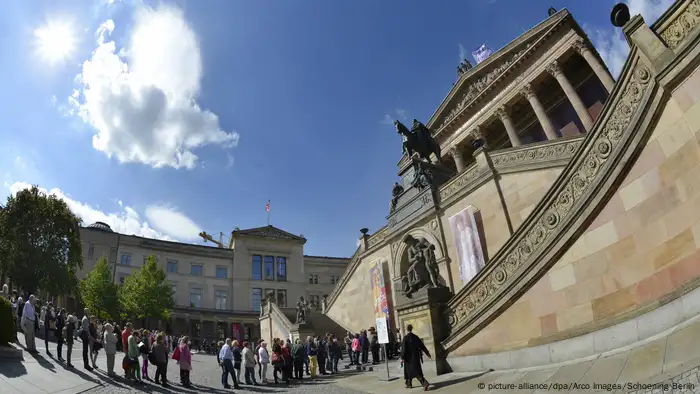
[{"x": 241, "y": 361}]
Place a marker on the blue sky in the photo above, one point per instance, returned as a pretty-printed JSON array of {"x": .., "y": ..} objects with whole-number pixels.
[{"x": 165, "y": 119}]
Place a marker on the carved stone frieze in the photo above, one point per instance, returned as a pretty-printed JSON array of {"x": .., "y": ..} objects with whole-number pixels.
[
  {"x": 682, "y": 26},
  {"x": 464, "y": 179},
  {"x": 527, "y": 91},
  {"x": 502, "y": 113},
  {"x": 520, "y": 253},
  {"x": 554, "y": 69},
  {"x": 377, "y": 237},
  {"x": 580, "y": 45},
  {"x": 536, "y": 154},
  {"x": 475, "y": 89}
]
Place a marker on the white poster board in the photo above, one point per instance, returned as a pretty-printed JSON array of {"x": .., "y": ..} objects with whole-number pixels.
[{"x": 382, "y": 330}]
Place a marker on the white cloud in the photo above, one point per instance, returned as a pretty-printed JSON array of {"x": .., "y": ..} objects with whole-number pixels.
[
  {"x": 611, "y": 43},
  {"x": 140, "y": 99},
  {"x": 463, "y": 54},
  {"x": 169, "y": 223},
  {"x": 401, "y": 114}
]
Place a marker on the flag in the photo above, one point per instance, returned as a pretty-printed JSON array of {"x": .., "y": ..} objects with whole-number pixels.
[
  {"x": 267, "y": 206},
  {"x": 482, "y": 53}
]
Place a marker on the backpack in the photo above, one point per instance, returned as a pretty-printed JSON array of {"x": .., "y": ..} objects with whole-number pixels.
[{"x": 176, "y": 354}]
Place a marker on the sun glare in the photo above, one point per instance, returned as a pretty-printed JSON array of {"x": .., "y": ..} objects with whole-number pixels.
[{"x": 55, "y": 42}]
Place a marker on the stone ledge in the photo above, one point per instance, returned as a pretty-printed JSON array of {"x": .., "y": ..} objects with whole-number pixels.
[
  {"x": 13, "y": 351},
  {"x": 621, "y": 337}
]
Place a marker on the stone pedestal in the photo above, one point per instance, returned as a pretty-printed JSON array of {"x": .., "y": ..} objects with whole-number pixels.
[
  {"x": 302, "y": 331},
  {"x": 425, "y": 310}
]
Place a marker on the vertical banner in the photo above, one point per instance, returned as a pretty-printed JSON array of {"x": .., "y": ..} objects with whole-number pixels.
[
  {"x": 381, "y": 305},
  {"x": 468, "y": 244},
  {"x": 236, "y": 331}
]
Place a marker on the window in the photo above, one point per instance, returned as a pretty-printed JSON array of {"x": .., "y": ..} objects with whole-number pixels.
[
  {"x": 313, "y": 279},
  {"x": 282, "y": 269},
  {"x": 335, "y": 279},
  {"x": 257, "y": 267},
  {"x": 257, "y": 295},
  {"x": 121, "y": 280},
  {"x": 196, "y": 270},
  {"x": 196, "y": 297},
  {"x": 91, "y": 251},
  {"x": 172, "y": 266},
  {"x": 269, "y": 268},
  {"x": 145, "y": 260},
  {"x": 126, "y": 259},
  {"x": 281, "y": 298},
  {"x": 315, "y": 301},
  {"x": 221, "y": 272},
  {"x": 173, "y": 290},
  {"x": 221, "y": 297}
]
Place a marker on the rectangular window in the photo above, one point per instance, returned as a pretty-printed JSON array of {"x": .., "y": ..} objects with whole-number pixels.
[
  {"x": 173, "y": 290},
  {"x": 282, "y": 269},
  {"x": 221, "y": 272},
  {"x": 335, "y": 279},
  {"x": 196, "y": 297},
  {"x": 91, "y": 252},
  {"x": 172, "y": 266},
  {"x": 281, "y": 298},
  {"x": 255, "y": 300},
  {"x": 269, "y": 268},
  {"x": 313, "y": 279},
  {"x": 196, "y": 270},
  {"x": 145, "y": 260},
  {"x": 221, "y": 299},
  {"x": 125, "y": 260},
  {"x": 256, "y": 269}
]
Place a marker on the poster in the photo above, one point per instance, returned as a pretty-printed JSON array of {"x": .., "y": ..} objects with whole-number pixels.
[
  {"x": 236, "y": 331},
  {"x": 381, "y": 304},
  {"x": 468, "y": 244}
]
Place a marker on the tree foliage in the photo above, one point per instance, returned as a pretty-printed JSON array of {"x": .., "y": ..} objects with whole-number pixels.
[
  {"x": 99, "y": 293},
  {"x": 147, "y": 293},
  {"x": 40, "y": 242}
]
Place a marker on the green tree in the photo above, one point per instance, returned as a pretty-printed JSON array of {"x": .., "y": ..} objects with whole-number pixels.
[
  {"x": 40, "y": 242},
  {"x": 146, "y": 292},
  {"x": 99, "y": 292}
]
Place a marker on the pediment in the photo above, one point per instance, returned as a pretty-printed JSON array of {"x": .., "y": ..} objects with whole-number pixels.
[
  {"x": 270, "y": 232},
  {"x": 475, "y": 81}
]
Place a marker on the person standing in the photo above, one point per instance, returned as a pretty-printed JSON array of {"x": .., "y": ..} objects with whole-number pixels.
[
  {"x": 70, "y": 330},
  {"x": 226, "y": 360},
  {"x": 412, "y": 350},
  {"x": 264, "y": 358},
  {"x": 28, "y": 318},
  {"x": 109, "y": 341},
  {"x": 249, "y": 364},
  {"x": 85, "y": 338},
  {"x": 298, "y": 354},
  {"x": 160, "y": 355},
  {"x": 311, "y": 353},
  {"x": 185, "y": 362},
  {"x": 58, "y": 331}
]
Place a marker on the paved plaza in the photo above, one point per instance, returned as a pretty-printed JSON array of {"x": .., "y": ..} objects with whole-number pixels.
[{"x": 670, "y": 362}]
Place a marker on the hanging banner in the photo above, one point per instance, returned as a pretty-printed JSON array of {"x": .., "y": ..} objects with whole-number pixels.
[
  {"x": 236, "y": 331},
  {"x": 482, "y": 53},
  {"x": 381, "y": 304},
  {"x": 466, "y": 239}
]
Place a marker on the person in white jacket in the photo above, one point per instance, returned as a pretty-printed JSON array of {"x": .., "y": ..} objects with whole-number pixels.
[
  {"x": 249, "y": 364},
  {"x": 264, "y": 357}
]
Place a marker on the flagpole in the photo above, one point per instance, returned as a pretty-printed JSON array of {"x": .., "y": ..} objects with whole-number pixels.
[{"x": 268, "y": 212}]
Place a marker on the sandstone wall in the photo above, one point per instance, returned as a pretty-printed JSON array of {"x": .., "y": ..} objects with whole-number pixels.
[
  {"x": 523, "y": 190},
  {"x": 641, "y": 250}
]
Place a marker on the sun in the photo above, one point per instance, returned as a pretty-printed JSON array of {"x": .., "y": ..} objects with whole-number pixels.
[{"x": 55, "y": 42}]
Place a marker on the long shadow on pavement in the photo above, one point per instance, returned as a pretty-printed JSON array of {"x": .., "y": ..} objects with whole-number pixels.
[{"x": 450, "y": 382}]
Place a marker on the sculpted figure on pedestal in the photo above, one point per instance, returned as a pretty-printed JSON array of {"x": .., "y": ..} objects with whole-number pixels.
[
  {"x": 422, "y": 270},
  {"x": 301, "y": 311},
  {"x": 418, "y": 140},
  {"x": 422, "y": 177},
  {"x": 395, "y": 193}
]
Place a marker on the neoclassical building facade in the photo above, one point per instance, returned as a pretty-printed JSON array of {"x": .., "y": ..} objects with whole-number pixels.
[
  {"x": 217, "y": 292},
  {"x": 583, "y": 195}
]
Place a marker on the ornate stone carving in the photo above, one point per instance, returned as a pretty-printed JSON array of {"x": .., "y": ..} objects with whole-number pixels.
[
  {"x": 502, "y": 113},
  {"x": 396, "y": 191},
  {"x": 525, "y": 250},
  {"x": 527, "y": 91},
  {"x": 475, "y": 89},
  {"x": 554, "y": 69},
  {"x": 460, "y": 183},
  {"x": 377, "y": 237},
  {"x": 580, "y": 46},
  {"x": 423, "y": 269},
  {"x": 680, "y": 28},
  {"x": 531, "y": 155},
  {"x": 422, "y": 177}
]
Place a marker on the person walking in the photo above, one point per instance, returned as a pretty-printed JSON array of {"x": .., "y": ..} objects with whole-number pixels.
[
  {"x": 226, "y": 360},
  {"x": 412, "y": 350},
  {"x": 28, "y": 318}
]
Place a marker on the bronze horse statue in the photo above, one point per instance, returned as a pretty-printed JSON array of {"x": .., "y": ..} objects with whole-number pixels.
[{"x": 419, "y": 140}]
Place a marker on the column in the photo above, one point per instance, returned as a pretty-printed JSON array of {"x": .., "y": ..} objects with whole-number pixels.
[
  {"x": 571, "y": 94},
  {"x": 542, "y": 116},
  {"x": 502, "y": 113},
  {"x": 459, "y": 159},
  {"x": 598, "y": 68}
]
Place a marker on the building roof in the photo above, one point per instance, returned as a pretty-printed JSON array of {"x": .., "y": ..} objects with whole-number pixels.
[
  {"x": 270, "y": 231},
  {"x": 101, "y": 226},
  {"x": 337, "y": 259}
]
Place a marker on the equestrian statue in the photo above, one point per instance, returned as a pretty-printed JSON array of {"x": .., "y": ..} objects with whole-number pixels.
[{"x": 419, "y": 140}]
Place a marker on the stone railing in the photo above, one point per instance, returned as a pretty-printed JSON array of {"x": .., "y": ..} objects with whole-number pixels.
[
  {"x": 583, "y": 186},
  {"x": 355, "y": 260},
  {"x": 276, "y": 314},
  {"x": 544, "y": 154}
]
